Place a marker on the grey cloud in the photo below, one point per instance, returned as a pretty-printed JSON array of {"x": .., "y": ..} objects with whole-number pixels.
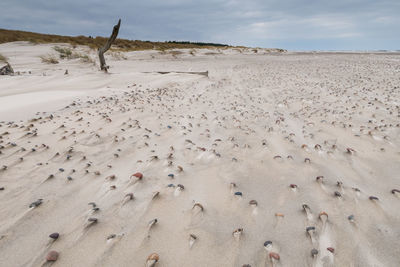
[{"x": 301, "y": 24}]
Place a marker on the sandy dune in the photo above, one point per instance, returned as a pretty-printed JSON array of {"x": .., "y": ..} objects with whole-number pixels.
[{"x": 273, "y": 160}]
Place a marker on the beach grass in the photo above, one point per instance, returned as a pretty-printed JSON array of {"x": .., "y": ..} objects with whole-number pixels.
[
  {"x": 96, "y": 42},
  {"x": 3, "y": 58},
  {"x": 49, "y": 59}
]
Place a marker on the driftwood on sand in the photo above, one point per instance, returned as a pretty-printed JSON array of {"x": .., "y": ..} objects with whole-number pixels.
[
  {"x": 204, "y": 73},
  {"x": 107, "y": 46},
  {"x": 6, "y": 70}
]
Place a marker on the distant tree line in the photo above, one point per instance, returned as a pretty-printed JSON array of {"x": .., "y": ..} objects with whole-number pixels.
[{"x": 196, "y": 43}]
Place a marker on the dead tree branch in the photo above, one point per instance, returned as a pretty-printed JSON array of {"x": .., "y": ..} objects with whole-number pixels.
[{"x": 107, "y": 46}]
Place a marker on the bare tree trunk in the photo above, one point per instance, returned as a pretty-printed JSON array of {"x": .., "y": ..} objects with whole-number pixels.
[{"x": 107, "y": 46}]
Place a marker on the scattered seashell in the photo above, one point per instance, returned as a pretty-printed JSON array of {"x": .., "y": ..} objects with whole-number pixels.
[
  {"x": 36, "y": 203},
  {"x": 314, "y": 252},
  {"x": 306, "y": 207},
  {"x": 253, "y": 203},
  {"x": 152, "y": 259},
  {"x": 310, "y": 230},
  {"x": 198, "y": 205},
  {"x": 152, "y": 222},
  {"x": 268, "y": 245},
  {"x": 111, "y": 177},
  {"x": 181, "y": 187},
  {"x": 138, "y": 175},
  {"x": 92, "y": 220},
  {"x": 237, "y": 233},
  {"x": 129, "y": 196},
  {"x": 155, "y": 194},
  {"x": 54, "y": 236},
  {"x": 274, "y": 255},
  {"x": 192, "y": 240},
  {"x": 111, "y": 236},
  {"x": 394, "y": 191},
  {"x": 52, "y": 256},
  {"x": 323, "y": 214}
]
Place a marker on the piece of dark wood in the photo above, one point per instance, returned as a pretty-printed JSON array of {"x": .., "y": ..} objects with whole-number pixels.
[
  {"x": 204, "y": 73},
  {"x": 6, "y": 70},
  {"x": 107, "y": 46}
]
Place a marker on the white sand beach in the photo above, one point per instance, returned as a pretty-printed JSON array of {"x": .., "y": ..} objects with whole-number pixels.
[{"x": 299, "y": 149}]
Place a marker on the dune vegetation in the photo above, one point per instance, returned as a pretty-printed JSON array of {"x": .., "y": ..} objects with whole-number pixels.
[
  {"x": 96, "y": 42},
  {"x": 2, "y": 58}
]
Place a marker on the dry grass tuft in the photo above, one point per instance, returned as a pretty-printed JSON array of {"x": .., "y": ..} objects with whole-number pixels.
[
  {"x": 85, "y": 58},
  {"x": 174, "y": 53},
  {"x": 3, "y": 58},
  {"x": 64, "y": 52},
  {"x": 211, "y": 53},
  {"x": 67, "y": 53},
  {"x": 49, "y": 59},
  {"x": 118, "y": 56}
]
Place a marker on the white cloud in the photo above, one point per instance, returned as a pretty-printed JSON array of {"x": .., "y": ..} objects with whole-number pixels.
[{"x": 316, "y": 27}]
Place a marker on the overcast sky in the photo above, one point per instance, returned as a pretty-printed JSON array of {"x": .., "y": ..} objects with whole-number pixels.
[{"x": 289, "y": 24}]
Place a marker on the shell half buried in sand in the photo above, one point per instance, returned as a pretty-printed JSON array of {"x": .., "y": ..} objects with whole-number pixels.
[
  {"x": 152, "y": 223},
  {"x": 274, "y": 256},
  {"x": 192, "y": 240},
  {"x": 152, "y": 259},
  {"x": 137, "y": 175},
  {"x": 198, "y": 207},
  {"x": 237, "y": 233}
]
